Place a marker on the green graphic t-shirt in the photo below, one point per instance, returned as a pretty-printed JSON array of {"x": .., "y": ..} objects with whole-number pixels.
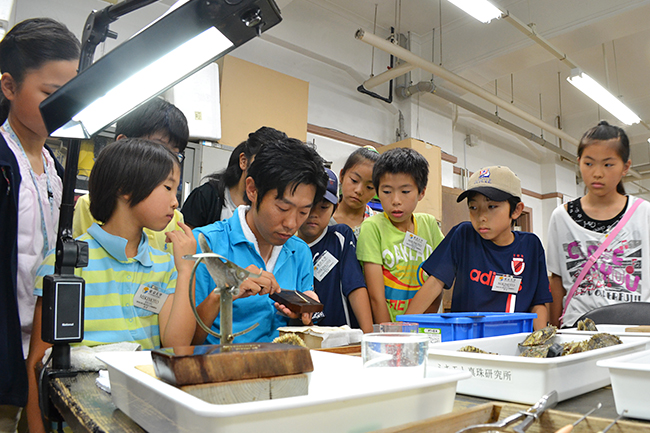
[{"x": 382, "y": 243}]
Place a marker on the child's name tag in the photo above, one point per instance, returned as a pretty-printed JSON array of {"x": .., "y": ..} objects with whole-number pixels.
[
  {"x": 506, "y": 284},
  {"x": 149, "y": 298},
  {"x": 324, "y": 265},
  {"x": 415, "y": 242}
]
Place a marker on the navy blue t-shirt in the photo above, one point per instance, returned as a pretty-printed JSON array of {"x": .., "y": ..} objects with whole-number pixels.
[
  {"x": 344, "y": 278},
  {"x": 473, "y": 262}
]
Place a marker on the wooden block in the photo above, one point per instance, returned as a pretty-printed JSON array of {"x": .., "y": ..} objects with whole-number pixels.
[
  {"x": 147, "y": 368},
  {"x": 193, "y": 365},
  {"x": 297, "y": 302},
  {"x": 352, "y": 350},
  {"x": 644, "y": 328},
  {"x": 242, "y": 391}
]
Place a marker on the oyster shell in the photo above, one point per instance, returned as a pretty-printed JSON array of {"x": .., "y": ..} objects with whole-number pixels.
[
  {"x": 601, "y": 340},
  {"x": 572, "y": 347},
  {"x": 587, "y": 325},
  {"x": 539, "y": 351},
  {"x": 540, "y": 336},
  {"x": 473, "y": 349},
  {"x": 290, "y": 338}
]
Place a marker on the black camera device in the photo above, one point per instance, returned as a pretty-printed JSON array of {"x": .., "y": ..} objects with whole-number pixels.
[{"x": 63, "y": 309}]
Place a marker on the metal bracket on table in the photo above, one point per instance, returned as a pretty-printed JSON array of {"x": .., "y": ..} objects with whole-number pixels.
[{"x": 228, "y": 277}]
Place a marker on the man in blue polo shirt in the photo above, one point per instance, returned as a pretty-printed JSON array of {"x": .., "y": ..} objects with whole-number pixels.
[
  {"x": 282, "y": 185},
  {"x": 338, "y": 279}
]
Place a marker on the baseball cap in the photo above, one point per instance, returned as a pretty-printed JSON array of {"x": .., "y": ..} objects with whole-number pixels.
[
  {"x": 497, "y": 183},
  {"x": 332, "y": 191}
]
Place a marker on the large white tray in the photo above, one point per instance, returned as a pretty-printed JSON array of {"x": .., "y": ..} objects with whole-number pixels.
[
  {"x": 630, "y": 376},
  {"x": 513, "y": 378},
  {"x": 342, "y": 398}
]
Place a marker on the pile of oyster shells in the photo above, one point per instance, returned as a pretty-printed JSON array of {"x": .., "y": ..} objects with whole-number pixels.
[{"x": 539, "y": 343}]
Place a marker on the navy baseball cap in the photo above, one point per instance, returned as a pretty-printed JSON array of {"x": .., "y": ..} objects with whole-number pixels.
[{"x": 332, "y": 192}]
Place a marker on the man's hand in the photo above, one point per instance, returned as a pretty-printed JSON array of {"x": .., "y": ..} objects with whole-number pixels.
[
  {"x": 305, "y": 317},
  {"x": 262, "y": 285}
]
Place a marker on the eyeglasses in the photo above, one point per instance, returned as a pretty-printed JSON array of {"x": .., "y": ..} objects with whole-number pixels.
[{"x": 181, "y": 157}]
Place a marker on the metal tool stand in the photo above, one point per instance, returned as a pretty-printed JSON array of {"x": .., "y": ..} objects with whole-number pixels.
[{"x": 227, "y": 277}]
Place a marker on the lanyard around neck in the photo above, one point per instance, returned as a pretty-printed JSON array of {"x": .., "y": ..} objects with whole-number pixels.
[{"x": 50, "y": 193}]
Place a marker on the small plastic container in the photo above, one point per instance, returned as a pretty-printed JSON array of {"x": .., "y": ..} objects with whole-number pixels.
[
  {"x": 630, "y": 375},
  {"x": 465, "y": 326}
]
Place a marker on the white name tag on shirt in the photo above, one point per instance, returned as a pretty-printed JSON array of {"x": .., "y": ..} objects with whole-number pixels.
[
  {"x": 506, "y": 284},
  {"x": 149, "y": 298},
  {"x": 324, "y": 265},
  {"x": 415, "y": 242}
]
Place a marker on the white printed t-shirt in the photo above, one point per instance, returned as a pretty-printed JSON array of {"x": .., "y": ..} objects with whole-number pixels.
[{"x": 621, "y": 273}]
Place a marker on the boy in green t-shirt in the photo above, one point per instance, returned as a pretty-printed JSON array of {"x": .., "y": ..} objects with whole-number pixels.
[{"x": 393, "y": 245}]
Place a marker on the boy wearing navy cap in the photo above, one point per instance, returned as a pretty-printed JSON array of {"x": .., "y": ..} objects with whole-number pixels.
[
  {"x": 338, "y": 279},
  {"x": 494, "y": 268}
]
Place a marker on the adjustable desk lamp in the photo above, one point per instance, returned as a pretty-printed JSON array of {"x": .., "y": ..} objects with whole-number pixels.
[{"x": 191, "y": 35}]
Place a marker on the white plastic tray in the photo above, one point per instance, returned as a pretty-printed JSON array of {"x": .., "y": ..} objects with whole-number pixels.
[
  {"x": 630, "y": 376},
  {"x": 342, "y": 398},
  {"x": 509, "y": 377},
  {"x": 610, "y": 329}
]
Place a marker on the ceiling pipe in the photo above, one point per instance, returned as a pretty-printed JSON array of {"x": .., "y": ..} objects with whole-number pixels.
[
  {"x": 455, "y": 99},
  {"x": 388, "y": 75},
  {"x": 443, "y": 73},
  {"x": 487, "y": 125},
  {"x": 422, "y": 86},
  {"x": 429, "y": 87},
  {"x": 530, "y": 31}
]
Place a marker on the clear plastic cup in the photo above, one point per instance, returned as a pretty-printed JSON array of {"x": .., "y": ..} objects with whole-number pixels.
[{"x": 395, "y": 355}]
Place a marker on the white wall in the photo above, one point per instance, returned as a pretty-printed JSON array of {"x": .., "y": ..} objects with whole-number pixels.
[{"x": 317, "y": 45}]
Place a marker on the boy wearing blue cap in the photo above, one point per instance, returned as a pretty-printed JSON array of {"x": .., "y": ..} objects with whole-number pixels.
[
  {"x": 493, "y": 268},
  {"x": 338, "y": 279}
]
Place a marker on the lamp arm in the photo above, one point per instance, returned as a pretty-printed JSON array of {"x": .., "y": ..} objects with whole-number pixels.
[
  {"x": 71, "y": 254},
  {"x": 96, "y": 28}
]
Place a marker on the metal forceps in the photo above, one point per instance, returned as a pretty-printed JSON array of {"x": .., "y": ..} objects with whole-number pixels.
[{"x": 528, "y": 417}]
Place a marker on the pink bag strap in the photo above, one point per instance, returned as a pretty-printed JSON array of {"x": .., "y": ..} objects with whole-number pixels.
[{"x": 594, "y": 257}]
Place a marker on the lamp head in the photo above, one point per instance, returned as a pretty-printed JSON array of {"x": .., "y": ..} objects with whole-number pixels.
[{"x": 167, "y": 51}]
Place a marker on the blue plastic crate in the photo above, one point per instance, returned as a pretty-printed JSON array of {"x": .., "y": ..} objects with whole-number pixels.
[{"x": 463, "y": 326}]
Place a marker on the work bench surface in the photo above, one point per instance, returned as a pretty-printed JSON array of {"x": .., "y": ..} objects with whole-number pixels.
[{"x": 86, "y": 408}]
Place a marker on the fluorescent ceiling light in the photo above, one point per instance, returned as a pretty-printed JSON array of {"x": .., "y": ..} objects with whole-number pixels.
[
  {"x": 603, "y": 97},
  {"x": 482, "y": 10}
]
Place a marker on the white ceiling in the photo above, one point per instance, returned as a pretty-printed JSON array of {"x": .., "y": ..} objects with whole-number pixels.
[
  {"x": 595, "y": 34},
  {"x": 608, "y": 39}
]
